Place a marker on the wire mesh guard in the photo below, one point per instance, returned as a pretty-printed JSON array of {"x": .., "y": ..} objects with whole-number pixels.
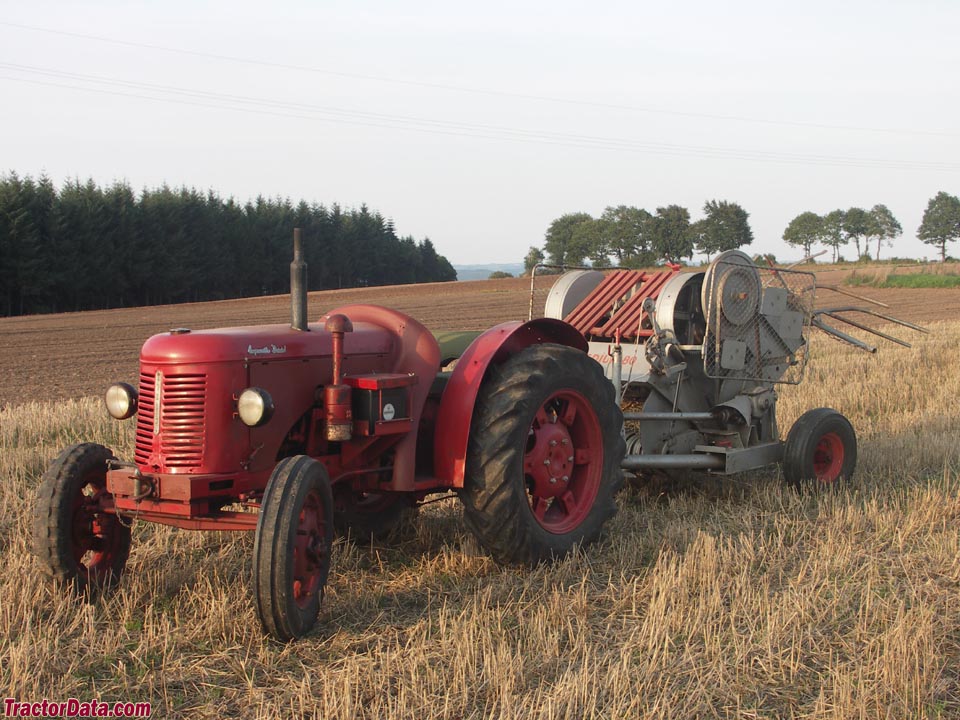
[{"x": 756, "y": 322}]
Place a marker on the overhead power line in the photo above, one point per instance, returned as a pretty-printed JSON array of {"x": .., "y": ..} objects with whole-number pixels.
[
  {"x": 343, "y": 116},
  {"x": 476, "y": 91}
]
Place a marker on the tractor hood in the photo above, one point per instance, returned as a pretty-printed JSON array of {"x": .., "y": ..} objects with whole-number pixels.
[{"x": 260, "y": 342}]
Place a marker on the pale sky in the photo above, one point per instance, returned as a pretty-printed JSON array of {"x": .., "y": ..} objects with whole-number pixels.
[{"x": 476, "y": 125}]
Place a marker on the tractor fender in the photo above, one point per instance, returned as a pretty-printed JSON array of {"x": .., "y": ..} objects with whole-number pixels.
[{"x": 460, "y": 395}]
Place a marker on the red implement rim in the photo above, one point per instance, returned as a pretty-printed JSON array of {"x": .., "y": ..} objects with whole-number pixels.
[
  {"x": 309, "y": 550},
  {"x": 95, "y": 535},
  {"x": 563, "y": 461},
  {"x": 828, "y": 458}
]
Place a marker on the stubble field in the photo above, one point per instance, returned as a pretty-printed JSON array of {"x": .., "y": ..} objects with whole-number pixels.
[{"x": 715, "y": 598}]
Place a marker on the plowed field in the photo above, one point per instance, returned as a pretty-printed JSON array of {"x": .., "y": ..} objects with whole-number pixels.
[{"x": 69, "y": 355}]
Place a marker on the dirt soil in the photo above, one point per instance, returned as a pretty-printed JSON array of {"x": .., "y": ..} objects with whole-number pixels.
[{"x": 69, "y": 355}]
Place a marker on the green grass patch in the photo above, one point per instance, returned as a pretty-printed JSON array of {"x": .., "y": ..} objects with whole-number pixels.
[{"x": 914, "y": 280}]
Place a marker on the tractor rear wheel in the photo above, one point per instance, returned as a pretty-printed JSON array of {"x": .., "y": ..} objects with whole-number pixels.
[
  {"x": 821, "y": 450},
  {"x": 543, "y": 460},
  {"x": 291, "y": 552},
  {"x": 76, "y": 541}
]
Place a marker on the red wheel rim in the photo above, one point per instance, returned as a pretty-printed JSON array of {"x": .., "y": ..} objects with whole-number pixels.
[
  {"x": 95, "y": 534},
  {"x": 309, "y": 551},
  {"x": 828, "y": 458},
  {"x": 563, "y": 460}
]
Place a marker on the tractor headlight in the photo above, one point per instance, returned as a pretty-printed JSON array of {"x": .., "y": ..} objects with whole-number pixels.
[
  {"x": 121, "y": 400},
  {"x": 255, "y": 406}
]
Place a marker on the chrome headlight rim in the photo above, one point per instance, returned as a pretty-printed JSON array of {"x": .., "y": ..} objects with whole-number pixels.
[
  {"x": 255, "y": 407},
  {"x": 121, "y": 400}
]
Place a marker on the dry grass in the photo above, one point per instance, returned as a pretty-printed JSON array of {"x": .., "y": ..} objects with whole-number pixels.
[{"x": 726, "y": 598}]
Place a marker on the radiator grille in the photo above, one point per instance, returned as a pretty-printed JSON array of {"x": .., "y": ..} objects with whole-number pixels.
[
  {"x": 145, "y": 419},
  {"x": 181, "y": 423}
]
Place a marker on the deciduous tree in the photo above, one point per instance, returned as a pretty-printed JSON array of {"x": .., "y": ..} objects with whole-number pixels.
[
  {"x": 590, "y": 238},
  {"x": 560, "y": 243},
  {"x": 626, "y": 235},
  {"x": 857, "y": 225},
  {"x": 884, "y": 226},
  {"x": 670, "y": 233},
  {"x": 803, "y": 231},
  {"x": 833, "y": 235},
  {"x": 725, "y": 227},
  {"x": 533, "y": 258},
  {"x": 941, "y": 222}
]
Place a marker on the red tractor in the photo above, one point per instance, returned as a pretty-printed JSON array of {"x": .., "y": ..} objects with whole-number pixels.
[{"x": 290, "y": 431}]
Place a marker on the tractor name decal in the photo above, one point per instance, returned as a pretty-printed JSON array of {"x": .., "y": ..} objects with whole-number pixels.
[{"x": 267, "y": 350}]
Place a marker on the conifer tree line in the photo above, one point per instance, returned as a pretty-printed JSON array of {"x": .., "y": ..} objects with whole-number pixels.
[{"x": 86, "y": 247}]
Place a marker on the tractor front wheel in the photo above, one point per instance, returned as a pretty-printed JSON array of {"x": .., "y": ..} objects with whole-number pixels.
[
  {"x": 821, "y": 450},
  {"x": 76, "y": 540},
  {"x": 543, "y": 461},
  {"x": 291, "y": 552}
]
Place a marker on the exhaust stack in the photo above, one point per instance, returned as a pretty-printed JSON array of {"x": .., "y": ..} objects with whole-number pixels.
[{"x": 298, "y": 286}]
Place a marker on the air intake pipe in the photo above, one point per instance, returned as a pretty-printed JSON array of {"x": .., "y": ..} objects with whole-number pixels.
[
  {"x": 298, "y": 286},
  {"x": 336, "y": 396}
]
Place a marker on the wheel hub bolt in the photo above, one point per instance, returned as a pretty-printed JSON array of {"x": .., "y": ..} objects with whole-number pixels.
[
  {"x": 553, "y": 443},
  {"x": 570, "y": 459},
  {"x": 565, "y": 478},
  {"x": 553, "y": 481},
  {"x": 546, "y": 462}
]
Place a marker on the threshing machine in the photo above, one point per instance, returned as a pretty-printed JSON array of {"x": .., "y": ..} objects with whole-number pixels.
[{"x": 703, "y": 352}]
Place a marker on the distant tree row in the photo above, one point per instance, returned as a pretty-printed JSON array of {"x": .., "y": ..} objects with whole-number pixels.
[
  {"x": 87, "y": 247},
  {"x": 633, "y": 237},
  {"x": 836, "y": 229},
  {"x": 841, "y": 227}
]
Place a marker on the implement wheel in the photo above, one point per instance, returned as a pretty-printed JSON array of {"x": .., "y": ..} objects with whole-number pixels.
[
  {"x": 75, "y": 539},
  {"x": 821, "y": 450},
  {"x": 543, "y": 462},
  {"x": 291, "y": 552}
]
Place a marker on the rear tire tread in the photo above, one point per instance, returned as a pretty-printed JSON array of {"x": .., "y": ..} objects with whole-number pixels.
[{"x": 496, "y": 506}]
